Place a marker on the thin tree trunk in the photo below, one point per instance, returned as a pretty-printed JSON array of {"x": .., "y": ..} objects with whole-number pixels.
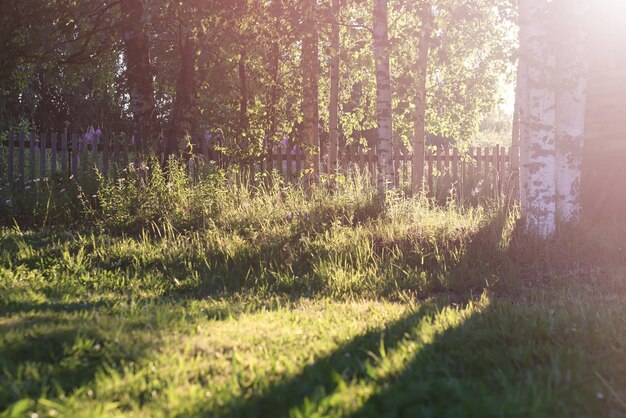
[
  {"x": 419, "y": 142},
  {"x": 333, "y": 111},
  {"x": 243, "y": 88},
  {"x": 184, "y": 113},
  {"x": 538, "y": 181},
  {"x": 139, "y": 75},
  {"x": 522, "y": 107},
  {"x": 383, "y": 96},
  {"x": 570, "y": 114},
  {"x": 310, "y": 105},
  {"x": 515, "y": 135},
  {"x": 274, "y": 90}
]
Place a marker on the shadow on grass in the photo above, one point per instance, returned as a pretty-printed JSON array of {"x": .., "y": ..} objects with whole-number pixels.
[
  {"x": 503, "y": 360},
  {"x": 353, "y": 361},
  {"x": 52, "y": 355},
  {"x": 350, "y": 361},
  {"x": 499, "y": 362}
]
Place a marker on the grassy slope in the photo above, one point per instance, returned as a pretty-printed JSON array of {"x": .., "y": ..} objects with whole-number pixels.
[{"x": 286, "y": 305}]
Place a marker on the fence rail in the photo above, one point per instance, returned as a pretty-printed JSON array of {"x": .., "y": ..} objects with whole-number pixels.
[{"x": 27, "y": 157}]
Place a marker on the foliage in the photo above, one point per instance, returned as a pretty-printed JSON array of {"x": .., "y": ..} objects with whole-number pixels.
[{"x": 64, "y": 69}]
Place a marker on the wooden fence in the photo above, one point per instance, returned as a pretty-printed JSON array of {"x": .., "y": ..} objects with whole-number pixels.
[{"x": 30, "y": 157}]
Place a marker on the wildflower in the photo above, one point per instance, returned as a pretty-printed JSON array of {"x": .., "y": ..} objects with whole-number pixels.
[
  {"x": 89, "y": 136},
  {"x": 9, "y": 203},
  {"x": 98, "y": 133}
]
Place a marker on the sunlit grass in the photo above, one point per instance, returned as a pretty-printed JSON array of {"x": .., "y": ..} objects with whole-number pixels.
[{"x": 285, "y": 303}]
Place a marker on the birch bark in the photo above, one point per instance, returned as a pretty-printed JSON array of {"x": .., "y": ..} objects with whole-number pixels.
[
  {"x": 570, "y": 113},
  {"x": 383, "y": 96},
  {"x": 419, "y": 142},
  {"x": 538, "y": 185}
]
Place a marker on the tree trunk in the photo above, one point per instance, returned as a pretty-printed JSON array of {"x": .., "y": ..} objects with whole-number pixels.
[
  {"x": 243, "y": 88},
  {"x": 333, "y": 111},
  {"x": 419, "y": 142},
  {"x": 515, "y": 135},
  {"x": 383, "y": 96},
  {"x": 139, "y": 75},
  {"x": 570, "y": 114},
  {"x": 538, "y": 186},
  {"x": 522, "y": 106},
  {"x": 184, "y": 112},
  {"x": 310, "y": 106},
  {"x": 272, "y": 122}
]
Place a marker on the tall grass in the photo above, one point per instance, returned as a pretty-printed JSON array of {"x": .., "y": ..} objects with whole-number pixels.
[{"x": 166, "y": 233}]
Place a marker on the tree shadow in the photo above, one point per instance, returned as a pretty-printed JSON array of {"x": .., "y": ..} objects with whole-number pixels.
[
  {"x": 350, "y": 361},
  {"x": 502, "y": 360},
  {"x": 494, "y": 364},
  {"x": 52, "y": 355}
]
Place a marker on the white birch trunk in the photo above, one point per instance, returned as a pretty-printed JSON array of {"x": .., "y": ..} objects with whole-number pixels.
[
  {"x": 419, "y": 142},
  {"x": 570, "y": 114},
  {"x": 538, "y": 185},
  {"x": 333, "y": 111},
  {"x": 522, "y": 140},
  {"x": 383, "y": 96}
]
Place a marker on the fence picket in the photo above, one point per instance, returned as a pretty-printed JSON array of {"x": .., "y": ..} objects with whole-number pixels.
[
  {"x": 53, "y": 153},
  {"x": 84, "y": 158},
  {"x": 496, "y": 164},
  {"x": 106, "y": 154},
  {"x": 74, "y": 159},
  {"x": 488, "y": 171},
  {"x": 21, "y": 159},
  {"x": 10, "y": 160},
  {"x": 2, "y": 163},
  {"x": 31, "y": 146},
  {"x": 455, "y": 173},
  {"x": 463, "y": 188},
  {"x": 95, "y": 147},
  {"x": 288, "y": 158},
  {"x": 125, "y": 157},
  {"x": 298, "y": 161},
  {"x": 430, "y": 159},
  {"x": 43, "y": 150},
  {"x": 64, "y": 155}
]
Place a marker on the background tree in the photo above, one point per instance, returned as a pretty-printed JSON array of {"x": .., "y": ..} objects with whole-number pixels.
[{"x": 383, "y": 95}]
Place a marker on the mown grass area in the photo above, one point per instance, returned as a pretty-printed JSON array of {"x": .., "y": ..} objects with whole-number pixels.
[{"x": 215, "y": 300}]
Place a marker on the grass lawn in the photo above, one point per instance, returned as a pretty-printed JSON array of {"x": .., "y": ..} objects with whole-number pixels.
[{"x": 300, "y": 306}]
